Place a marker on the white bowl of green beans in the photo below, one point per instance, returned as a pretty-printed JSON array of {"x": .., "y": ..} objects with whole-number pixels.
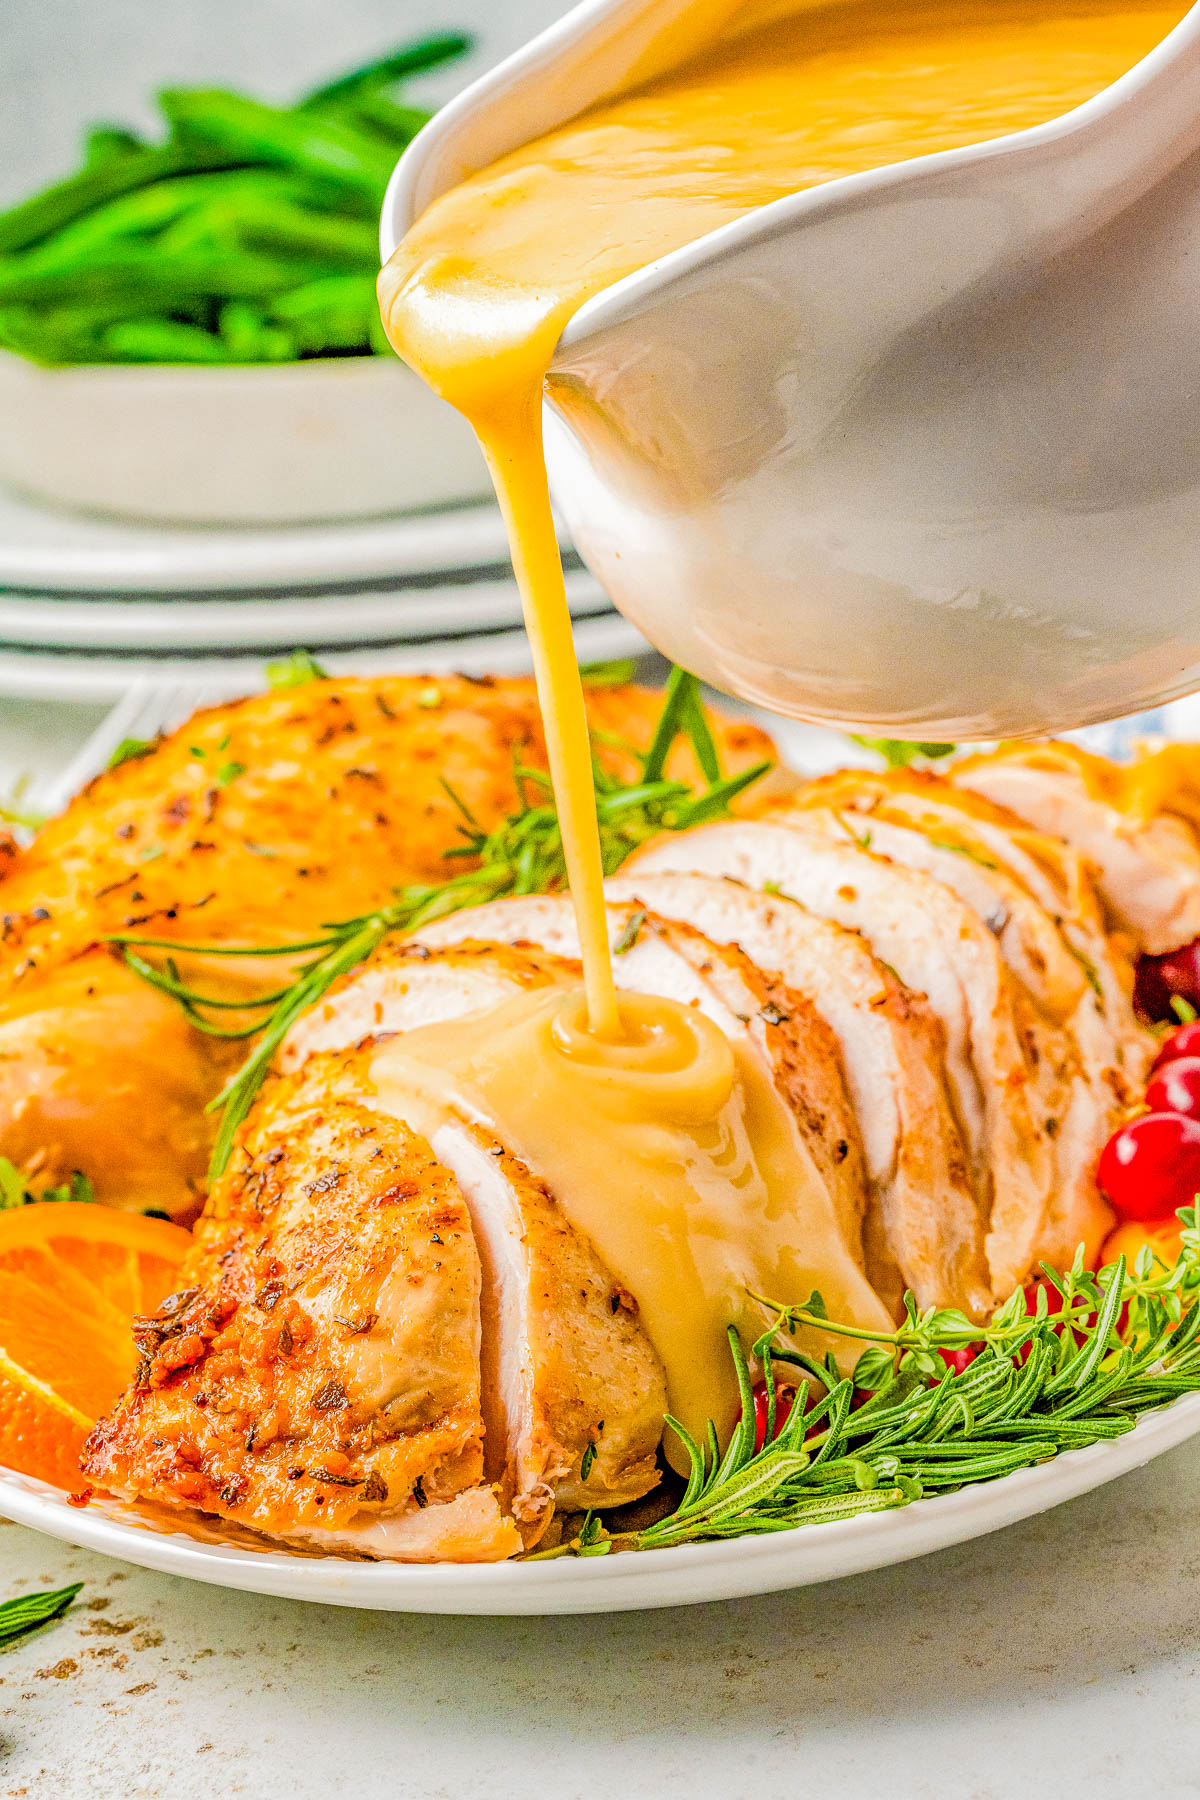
[{"x": 188, "y": 327}]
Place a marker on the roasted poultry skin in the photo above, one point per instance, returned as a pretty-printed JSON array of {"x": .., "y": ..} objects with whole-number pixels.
[
  {"x": 253, "y": 824},
  {"x": 405, "y": 1345},
  {"x": 323, "y": 1358}
]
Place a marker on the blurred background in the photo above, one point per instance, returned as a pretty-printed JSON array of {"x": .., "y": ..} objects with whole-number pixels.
[
  {"x": 67, "y": 62},
  {"x": 194, "y": 483}
]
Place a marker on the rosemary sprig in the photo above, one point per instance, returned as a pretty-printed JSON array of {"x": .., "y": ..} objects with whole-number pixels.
[
  {"x": 901, "y": 753},
  {"x": 523, "y": 855},
  {"x": 1119, "y": 1343},
  {"x": 14, "y": 1193},
  {"x": 27, "y": 1611}
]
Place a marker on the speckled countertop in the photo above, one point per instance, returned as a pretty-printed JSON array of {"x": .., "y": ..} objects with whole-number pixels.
[{"x": 1059, "y": 1657}]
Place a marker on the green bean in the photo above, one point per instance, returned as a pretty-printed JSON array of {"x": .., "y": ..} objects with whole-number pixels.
[
  {"x": 332, "y": 314},
  {"x": 153, "y": 208},
  {"x": 142, "y": 272},
  {"x": 34, "y": 219},
  {"x": 59, "y": 334},
  {"x": 162, "y": 341},
  {"x": 216, "y": 123},
  {"x": 249, "y": 338},
  {"x": 410, "y": 59},
  {"x": 247, "y": 236},
  {"x": 394, "y": 125},
  {"x": 253, "y": 223},
  {"x": 109, "y": 143}
]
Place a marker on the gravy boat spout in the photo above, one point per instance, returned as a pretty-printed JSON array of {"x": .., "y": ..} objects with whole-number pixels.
[{"x": 916, "y": 450}]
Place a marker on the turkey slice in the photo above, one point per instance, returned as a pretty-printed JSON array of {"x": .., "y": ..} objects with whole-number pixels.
[
  {"x": 317, "y": 1376},
  {"x": 567, "y": 1369},
  {"x": 1029, "y": 941},
  {"x": 568, "y": 1372},
  {"x": 1007, "y": 1081},
  {"x": 1048, "y": 870},
  {"x": 782, "y": 1030},
  {"x": 404, "y": 985},
  {"x": 1147, "y": 868},
  {"x": 925, "y": 1223}
]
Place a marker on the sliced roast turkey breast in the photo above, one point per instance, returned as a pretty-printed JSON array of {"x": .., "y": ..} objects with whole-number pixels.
[
  {"x": 405, "y": 985},
  {"x": 567, "y": 1370},
  {"x": 1147, "y": 869},
  {"x": 1007, "y": 1074},
  {"x": 317, "y": 1376},
  {"x": 1029, "y": 940},
  {"x": 781, "y": 1029},
  {"x": 925, "y": 1221},
  {"x": 1054, "y": 874},
  {"x": 568, "y": 1373},
  {"x": 1088, "y": 1034}
]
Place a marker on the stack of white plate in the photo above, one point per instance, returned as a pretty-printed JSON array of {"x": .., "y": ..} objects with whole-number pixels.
[{"x": 89, "y": 605}]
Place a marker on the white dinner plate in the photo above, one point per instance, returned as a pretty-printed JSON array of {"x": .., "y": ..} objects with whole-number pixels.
[
  {"x": 392, "y": 615},
  {"x": 680, "y": 1577},
  {"x": 44, "y": 549},
  {"x": 96, "y": 679}
]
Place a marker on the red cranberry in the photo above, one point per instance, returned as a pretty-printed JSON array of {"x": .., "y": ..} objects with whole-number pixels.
[
  {"x": 1159, "y": 978},
  {"x": 958, "y": 1360},
  {"x": 1176, "y": 1088},
  {"x": 1151, "y": 1166},
  {"x": 1184, "y": 1042},
  {"x": 784, "y": 1397}
]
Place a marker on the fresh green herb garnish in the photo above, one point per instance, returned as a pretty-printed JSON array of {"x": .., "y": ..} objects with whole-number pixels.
[
  {"x": 1091, "y": 973},
  {"x": 618, "y": 673},
  {"x": 296, "y": 670},
  {"x": 131, "y": 749},
  {"x": 27, "y": 1611},
  {"x": 899, "y": 753},
  {"x": 959, "y": 849},
  {"x": 1040, "y": 1383},
  {"x": 1183, "y": 1009},
  {"x": 223, "y": 772},
  {"x": 523, "y": 855},
  {"x": 13, "y": 1191},
  {"x": 631, "y": 933},
  {"x": 13, "y": 811}
]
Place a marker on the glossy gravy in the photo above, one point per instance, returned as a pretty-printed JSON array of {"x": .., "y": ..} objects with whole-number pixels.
[{"x": 716, "y": 1196}]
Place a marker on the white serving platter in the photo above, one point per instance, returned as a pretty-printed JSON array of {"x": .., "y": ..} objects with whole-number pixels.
[
  {"x": 42, "y": 548},
  {"x": 684, "y": 1576}
]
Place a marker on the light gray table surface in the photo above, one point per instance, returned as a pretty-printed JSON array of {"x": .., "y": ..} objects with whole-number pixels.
[{"x": 1056, "y": 1658}]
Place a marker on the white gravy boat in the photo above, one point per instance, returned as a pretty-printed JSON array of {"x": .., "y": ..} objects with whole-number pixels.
[{"x": 917, "y": 450}]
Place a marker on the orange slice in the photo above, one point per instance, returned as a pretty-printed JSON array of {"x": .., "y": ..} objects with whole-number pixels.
[
  {"x": 72, "y": 1277},
  {"x": 1163, "y": 1236}
]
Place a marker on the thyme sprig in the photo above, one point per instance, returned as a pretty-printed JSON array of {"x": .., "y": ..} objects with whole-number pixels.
[
  {"x": 1082, "y": 1367},
  {"x": 522, "y": 855}
]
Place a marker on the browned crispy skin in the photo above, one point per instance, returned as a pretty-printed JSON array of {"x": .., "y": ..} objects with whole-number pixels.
[
  {"x": 254, "y": 824},
  {"x": 321, "y": 1360}
]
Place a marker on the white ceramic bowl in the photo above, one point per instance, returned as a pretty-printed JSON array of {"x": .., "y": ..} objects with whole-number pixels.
[{"x": 343, "y": 438}]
